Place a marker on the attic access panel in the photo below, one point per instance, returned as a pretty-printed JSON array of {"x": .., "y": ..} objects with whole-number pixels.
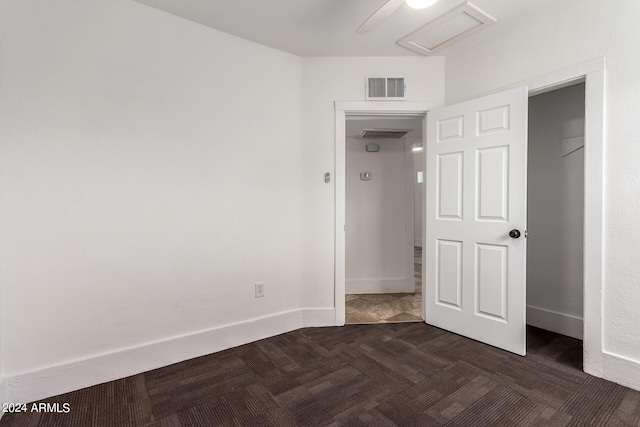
[{"x": 445, "y": 30}]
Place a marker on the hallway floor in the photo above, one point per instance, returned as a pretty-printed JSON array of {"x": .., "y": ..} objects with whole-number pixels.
[{"x": 388, "y": 308}]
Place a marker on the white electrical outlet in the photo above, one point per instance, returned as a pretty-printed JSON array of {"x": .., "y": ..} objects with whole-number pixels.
[{"x": 259, "y": 289}]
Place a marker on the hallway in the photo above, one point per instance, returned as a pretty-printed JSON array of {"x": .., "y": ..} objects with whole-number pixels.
[{"x": 388, "y": 308}]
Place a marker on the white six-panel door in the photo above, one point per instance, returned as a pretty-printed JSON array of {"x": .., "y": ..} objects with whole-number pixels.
[{"x": 474, "y": 271}]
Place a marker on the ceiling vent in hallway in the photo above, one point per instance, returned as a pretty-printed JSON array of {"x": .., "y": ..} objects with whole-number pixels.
[{"x": 384, "y": 133}]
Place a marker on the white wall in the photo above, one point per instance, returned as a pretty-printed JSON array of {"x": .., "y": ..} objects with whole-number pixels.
[
  {"x": 555, "y": 212},
  {"x": 562, "y": 34},
  {"x": 324, "y": 81},
  {"x": 376, "y": 227},
  {"x": 152, "y": 171},
  {"x": 150, "y": 174}
]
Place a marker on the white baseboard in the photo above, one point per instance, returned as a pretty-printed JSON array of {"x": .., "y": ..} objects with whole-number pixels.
[
  {"x": 36, "y": 385},
  {"x": 550, "y": 320},
  {"x": 318, "y": 317},
  {"x": 4, "y": 398},
  {"x": 621, "y": 370},
  {"x": 380, "y": 286}
]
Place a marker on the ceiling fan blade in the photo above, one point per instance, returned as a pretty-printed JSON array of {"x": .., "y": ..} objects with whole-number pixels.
[{"x": 379, "y": 16}]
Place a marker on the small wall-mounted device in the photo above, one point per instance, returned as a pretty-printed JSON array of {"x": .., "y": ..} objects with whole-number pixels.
[
  {"x": 327, "y": 177},
  {"x": 365, "y": 176},
  {"x": 372, "y": 148}
]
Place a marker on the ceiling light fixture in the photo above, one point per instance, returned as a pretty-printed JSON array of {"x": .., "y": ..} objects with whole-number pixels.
[{"x": 420, "y": 4}]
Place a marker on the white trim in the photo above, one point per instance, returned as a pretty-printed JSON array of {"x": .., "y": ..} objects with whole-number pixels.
[
  {"x": 565, "y": 77},
  {"x": 559, "y": 79},
  {"x": 35, "y": 385},
  {"x": 565, "y": 324},
  {"x": 340, "y": 249},
  {"x": 409, "y": 220},
  {"x": 621, "y": 370},
  {"x": 318, "y": 317},
  {"x": 594, "y": 159},
  {"x": 384, "y": 108},
  {"x": 380, "y": 286},
  {"x": 4, "y": 398},
  {"x": 342, "y": 110},
  {"x": 423, "y": 238},
  {"x": 593, "y": 74}
]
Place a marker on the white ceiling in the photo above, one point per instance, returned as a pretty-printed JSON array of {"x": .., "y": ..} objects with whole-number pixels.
[{"x": 327, "y": 27}]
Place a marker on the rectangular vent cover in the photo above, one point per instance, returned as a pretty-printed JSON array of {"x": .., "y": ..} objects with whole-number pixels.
[
  {"x": 384, "y": 133},
  {"x": 385, "y": 88}
]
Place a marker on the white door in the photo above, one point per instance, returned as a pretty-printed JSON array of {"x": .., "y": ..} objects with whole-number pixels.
[{"x": 474, "y": 272}]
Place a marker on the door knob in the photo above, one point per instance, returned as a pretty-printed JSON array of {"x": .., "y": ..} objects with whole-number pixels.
[{"x": 514, "y": 233}]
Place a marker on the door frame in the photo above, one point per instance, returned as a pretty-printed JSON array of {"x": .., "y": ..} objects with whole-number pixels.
[
  {"x": 342, "y": 110},
  {"x": 593, "y": 74}
]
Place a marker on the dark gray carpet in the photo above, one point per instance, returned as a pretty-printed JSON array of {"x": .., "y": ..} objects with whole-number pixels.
[{"x": 406, "y": 374}]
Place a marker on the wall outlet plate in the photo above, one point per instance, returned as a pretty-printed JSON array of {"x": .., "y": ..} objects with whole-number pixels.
[{"x": 259, "y": 289}]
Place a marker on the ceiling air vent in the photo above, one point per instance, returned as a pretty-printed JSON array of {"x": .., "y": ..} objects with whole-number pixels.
[
  {"x": 384, "y": 133},
  {"x": 388, "y": 88}
]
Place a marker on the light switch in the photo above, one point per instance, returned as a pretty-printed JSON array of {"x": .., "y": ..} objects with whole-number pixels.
[{"x": 365, "y": 176}]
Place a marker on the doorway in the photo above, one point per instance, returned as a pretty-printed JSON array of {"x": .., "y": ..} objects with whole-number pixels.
[
  {"x": 383, "y": 219},
  {"x": 556, "y": 210}
]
